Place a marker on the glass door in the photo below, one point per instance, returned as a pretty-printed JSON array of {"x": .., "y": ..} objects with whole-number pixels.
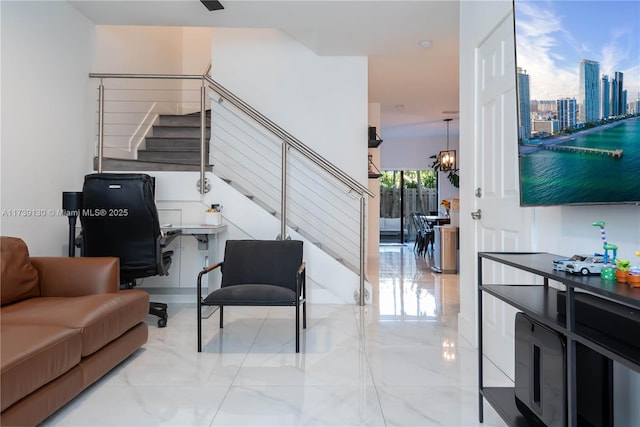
[{"x": 401, "y": 194}]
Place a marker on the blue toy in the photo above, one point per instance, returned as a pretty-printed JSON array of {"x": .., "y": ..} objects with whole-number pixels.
[{"x": 606, "y": 246}]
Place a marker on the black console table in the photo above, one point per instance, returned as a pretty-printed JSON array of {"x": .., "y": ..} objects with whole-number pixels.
[{"x": 539, "y": 301}]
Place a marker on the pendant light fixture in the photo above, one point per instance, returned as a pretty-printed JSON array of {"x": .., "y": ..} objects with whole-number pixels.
[{"x": 447, "y": 158}]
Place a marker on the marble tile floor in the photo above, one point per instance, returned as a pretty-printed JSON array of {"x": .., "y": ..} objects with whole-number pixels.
[{"x": 396, "y": 362}]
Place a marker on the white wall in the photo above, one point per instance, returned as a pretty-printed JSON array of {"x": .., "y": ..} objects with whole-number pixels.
[
  {"x": 47, "y": 49},
  {"x": 141, "y": 50},
  {"x": 321, "y": 100},
  {"x": 562, "y": 230},
  {"x": 415, "y": 154},
  {"x": 373, "y": 203},
  {"x": 152, "y": 50},
  {"x": 196, "y": 48}
]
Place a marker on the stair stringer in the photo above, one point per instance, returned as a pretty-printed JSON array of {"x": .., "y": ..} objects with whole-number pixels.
[{"x": 328, "y": 281}]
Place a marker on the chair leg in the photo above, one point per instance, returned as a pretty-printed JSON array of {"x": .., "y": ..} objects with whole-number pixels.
[
  {"x": 221, "y": 308},
  {"x": 298, "y": 328},
  {"x": 199, "y": 310},
  {"x": 304, "y": 315},
  {"x": 159, "y": 309}
]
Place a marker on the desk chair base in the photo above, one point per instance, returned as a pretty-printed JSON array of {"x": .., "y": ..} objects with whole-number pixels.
[
  {"x": 155, "y": 308},
  {"x": 159, "y": 309}
]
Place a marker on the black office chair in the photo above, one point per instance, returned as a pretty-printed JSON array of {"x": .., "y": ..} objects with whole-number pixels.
[
  {"x": 119, "y": 218},
  {"x": 258, "y": 273}
]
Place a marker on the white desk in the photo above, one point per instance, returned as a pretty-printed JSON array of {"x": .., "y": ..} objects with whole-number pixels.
[{"x": 204, "y": 234}]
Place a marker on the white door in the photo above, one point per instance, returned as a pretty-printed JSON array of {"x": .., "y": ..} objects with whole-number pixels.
[{"x": 503, "y": 225}]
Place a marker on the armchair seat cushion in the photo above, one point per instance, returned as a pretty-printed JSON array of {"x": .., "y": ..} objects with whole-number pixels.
[{"x": 251, "y": 294}]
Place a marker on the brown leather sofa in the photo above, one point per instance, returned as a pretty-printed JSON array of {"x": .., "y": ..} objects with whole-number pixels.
[{"x": 64, "y": 323}]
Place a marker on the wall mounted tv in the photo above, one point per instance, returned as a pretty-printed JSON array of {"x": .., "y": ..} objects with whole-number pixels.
[{"x": 578, "y": 91}]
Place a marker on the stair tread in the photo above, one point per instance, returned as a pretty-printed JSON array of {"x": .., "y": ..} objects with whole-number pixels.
[
  {"x": 115, "y": 164},
  {"x": 179, "y": 126},
  {"x": 171, "y": 116},
  {"x": 170, "y": 150},
  {"x": 178, "y": 138}
]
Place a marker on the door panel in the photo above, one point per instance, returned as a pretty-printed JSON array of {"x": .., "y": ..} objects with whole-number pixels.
[{"x": 503, "y": 226}]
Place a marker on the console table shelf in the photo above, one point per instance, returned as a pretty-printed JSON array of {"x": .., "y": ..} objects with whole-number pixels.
[{"x": 540, "y": 302}]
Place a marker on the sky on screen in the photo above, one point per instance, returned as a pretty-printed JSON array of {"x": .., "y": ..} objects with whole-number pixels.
[{"x": 552, "y": 36}]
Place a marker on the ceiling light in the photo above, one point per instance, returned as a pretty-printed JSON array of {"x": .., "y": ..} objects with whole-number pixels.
[
  {"x": 425, "y": 43},
  {"x": 447, "y": 158}
]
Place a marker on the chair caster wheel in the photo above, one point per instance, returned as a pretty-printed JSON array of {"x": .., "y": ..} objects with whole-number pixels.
[{"x": 162, "y": 323}]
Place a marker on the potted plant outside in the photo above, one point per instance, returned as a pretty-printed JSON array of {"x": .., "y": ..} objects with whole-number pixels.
[{"x": 622, "y": 272}]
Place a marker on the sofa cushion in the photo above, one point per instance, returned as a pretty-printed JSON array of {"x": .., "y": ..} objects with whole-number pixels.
[
  {"x": 100, "y": 318},
  {"x": 34, "y": 355},
  {"x": 19, "y": 278}
]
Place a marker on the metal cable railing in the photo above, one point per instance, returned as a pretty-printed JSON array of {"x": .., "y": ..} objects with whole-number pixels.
[{"x": 257, "y": 160}]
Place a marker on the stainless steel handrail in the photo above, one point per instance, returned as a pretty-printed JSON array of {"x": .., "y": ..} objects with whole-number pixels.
[
  {"x": 145, "y": 76},
  {"x": 259, "y": 117},
  {"x": 286, "y": 137}
]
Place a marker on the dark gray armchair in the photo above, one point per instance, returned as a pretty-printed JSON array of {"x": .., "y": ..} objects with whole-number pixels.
[{"x": 258, "y": 273}]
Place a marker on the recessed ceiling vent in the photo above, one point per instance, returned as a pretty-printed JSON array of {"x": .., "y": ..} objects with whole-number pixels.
[{"x": 212, "y": 5}]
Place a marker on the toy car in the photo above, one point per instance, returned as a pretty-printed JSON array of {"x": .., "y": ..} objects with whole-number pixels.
[
  {"x": 560, "y": 264},
  {"x": 590, "y": 265}
]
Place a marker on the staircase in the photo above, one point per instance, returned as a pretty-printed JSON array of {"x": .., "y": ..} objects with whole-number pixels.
[
  {"x": 173, "y": 144},
  {"x": 256, "y": 163}
]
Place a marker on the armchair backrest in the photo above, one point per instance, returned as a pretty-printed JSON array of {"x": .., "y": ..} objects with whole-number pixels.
[
  {"x": 119, "y": 218},
  {"x": 273, "y": 262}
]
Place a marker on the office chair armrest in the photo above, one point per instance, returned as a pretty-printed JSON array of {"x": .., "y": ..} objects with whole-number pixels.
[
  {"x": 163, "y": 240},
  {"x": 73, "y": 277},
  {"x": 167, "y": 236}
]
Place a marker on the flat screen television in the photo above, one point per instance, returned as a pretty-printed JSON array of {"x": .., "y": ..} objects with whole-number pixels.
[{"x": 578, "y": 92}]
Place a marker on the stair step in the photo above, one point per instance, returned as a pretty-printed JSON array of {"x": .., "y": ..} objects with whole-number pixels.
[
  {"x": 182, "y": 120},
  {"x": 111, "y": 164},
  {"x": 171, "y": 144},
  {"x": 176, "y": 156},
  {"x": 179, "y": 131}
]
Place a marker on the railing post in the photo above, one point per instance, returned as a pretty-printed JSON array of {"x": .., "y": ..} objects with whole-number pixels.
[
  {"x": 100, "y": 124},
  {"x": 283, "y": 193},
  {"x": 362, "y": 251},
  {"x": 203, "y": 127}
]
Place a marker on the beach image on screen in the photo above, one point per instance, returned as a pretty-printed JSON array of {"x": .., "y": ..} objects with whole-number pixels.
[{"x": 578, "y": 90}]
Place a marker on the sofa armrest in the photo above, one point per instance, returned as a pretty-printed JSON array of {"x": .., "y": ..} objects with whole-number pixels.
[{"x": 73, "y": 277}]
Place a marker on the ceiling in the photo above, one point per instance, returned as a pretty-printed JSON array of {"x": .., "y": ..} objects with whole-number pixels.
[{"x": 416, "y": 87}]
